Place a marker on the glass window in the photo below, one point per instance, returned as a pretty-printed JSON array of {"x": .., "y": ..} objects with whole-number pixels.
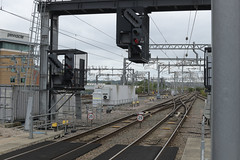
[
  {"x": 23, "y": 69},
  {"x": 23, "y": 59},
  {"x": 15, "y": 46},
  {"x": 13, "y": 69},
  {"x": 12, "y": 79},
  {"x": 13, "y": 58},
  {"x": 22, "y": 80}
]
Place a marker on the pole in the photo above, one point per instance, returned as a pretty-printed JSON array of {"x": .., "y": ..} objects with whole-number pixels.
[
  {"x": 144, "y": 86},
  {"x": 182, "y": 77},
  {"x": 78, "y": 105},
  {"x": 226, "y": 79},
  {"x": 124, "y": 71},
  {"x": 148, "y": 83},
  {"x": 158, "y": 94},
  {"x": 96, "y": 79},
  {"x": 43, "y": 100},
  {"x": 53, "y": 46}
]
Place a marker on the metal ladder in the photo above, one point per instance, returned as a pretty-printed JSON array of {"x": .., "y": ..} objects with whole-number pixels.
[{"x": 33, "y": 58}]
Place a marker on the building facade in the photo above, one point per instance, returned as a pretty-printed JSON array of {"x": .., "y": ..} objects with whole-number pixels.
[{"x": 15, "y": 68}]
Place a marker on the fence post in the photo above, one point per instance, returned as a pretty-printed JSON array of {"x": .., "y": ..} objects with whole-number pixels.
[{"x": 31, "y": 127}]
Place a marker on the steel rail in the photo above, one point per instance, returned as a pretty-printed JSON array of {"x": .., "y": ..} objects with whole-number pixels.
[
  {"x": 176, "y": 129},
  {"x": 92, "y": 130},
  {"x": 201, "y": 97},
  {"x": 146, "y": 133},
  {"x": 116, "y": 121},
  {"x": 108, "y": 135},
  {"x": 112, "y": 133}
]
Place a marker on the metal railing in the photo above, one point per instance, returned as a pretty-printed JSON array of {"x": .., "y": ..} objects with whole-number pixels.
[{"x": 48, "y": 123}]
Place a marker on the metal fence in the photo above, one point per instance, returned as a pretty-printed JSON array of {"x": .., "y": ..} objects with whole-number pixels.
[{"x": 13, "y": 103}]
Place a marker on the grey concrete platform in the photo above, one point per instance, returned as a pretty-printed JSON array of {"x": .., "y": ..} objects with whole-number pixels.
[
  {"x": 192, "y": 149},
  {"x": 19, "y": 141}
]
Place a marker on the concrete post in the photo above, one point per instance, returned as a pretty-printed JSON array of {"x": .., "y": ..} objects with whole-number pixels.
[
  {"x": 44, "y": 46},
  {"x": 226, "y": 79}
]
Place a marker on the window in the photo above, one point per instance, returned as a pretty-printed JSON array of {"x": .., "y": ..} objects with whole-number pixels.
[
  {"x": 23, "y": 69},
  {"x": 15, "y": 46},
  {"x": 13, "y": 69},
  {"x": 22, "y": 80},
  {"x": 23, "y": 59},
  {"x": 13, "y": 58},
  {"x": 12, "y": 79}
]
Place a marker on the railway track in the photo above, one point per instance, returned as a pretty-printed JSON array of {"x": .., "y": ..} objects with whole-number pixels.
[
  {"x": 80, "y": 145},
  {"x": 166, "y": 141}
]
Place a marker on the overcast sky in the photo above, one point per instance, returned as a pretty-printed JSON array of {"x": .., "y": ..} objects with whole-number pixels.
[{"x": 173, "y": 25}]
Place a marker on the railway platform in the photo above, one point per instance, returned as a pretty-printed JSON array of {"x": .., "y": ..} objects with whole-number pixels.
[{"x": 192, "y": 149}]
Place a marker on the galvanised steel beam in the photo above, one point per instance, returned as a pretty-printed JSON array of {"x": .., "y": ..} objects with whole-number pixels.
[
  {"x": 185, "y": 65},
  {"x": 226, "y": 80},
  {"x": 175, "y": 59},
  {"x": 178, "y": 46},
  {"x": 110, "y": 6}
]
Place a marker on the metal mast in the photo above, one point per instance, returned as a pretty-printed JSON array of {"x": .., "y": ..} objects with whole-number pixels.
[{"x": 226, "y": 79}]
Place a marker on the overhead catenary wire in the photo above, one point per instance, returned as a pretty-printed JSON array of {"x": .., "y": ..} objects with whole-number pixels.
[
  {"x": 94, "y": 54},
  {"x": 63, "y": 33},
  {"x": 164, "y": 40},
  {"x": 91, "y": 25},
  {"x": 195, "y": 17},
  {"x": 160, "y": 32},
  {"x": 188, "y": 26},
  {"x": 60, "y": 32},
  {"x": 193, "y": 25},
  {"x": 90, "y": 39}
]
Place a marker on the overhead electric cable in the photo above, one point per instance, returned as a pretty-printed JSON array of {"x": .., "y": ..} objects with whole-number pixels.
[
  {"x": 91, "y": 25},
  {"x": 194, "y": 20},
  {"x": 93, "y": 54},
  {"x": 66, "y": 34},
  {"x": 189, "y": 19},
  {"x": 72, "y": 38},
  {"x": 193, "y": 26},
  {"x": 161, "y": 33},
  {"x": 89, "y": 39}
]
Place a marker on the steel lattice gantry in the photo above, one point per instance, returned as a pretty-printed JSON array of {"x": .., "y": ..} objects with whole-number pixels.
[
  {"x": 226, "y": 39},
  {"x": 178, "y": 46},
  {"x": 54, "y": 8}
]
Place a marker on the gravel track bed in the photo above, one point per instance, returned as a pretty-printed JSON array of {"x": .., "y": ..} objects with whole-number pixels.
[
  {"x": 118, "y": 112},
  {"x": 161, "y": 134},
  {"x": 190, "y": 128},
  {"x": 126, "y": 136}
]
